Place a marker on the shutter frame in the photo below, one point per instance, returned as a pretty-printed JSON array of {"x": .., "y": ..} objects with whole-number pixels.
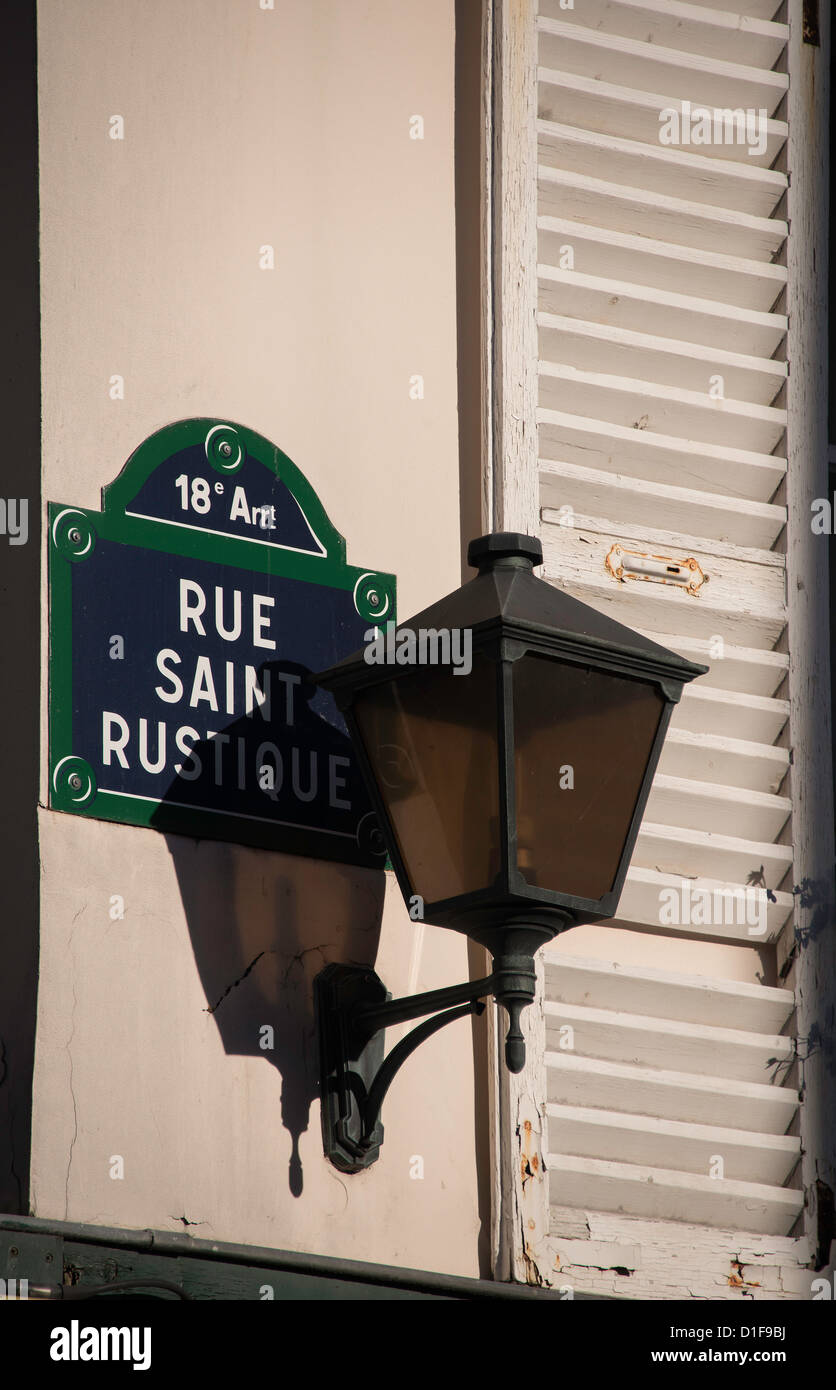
[{"x": 757, "y": 663}]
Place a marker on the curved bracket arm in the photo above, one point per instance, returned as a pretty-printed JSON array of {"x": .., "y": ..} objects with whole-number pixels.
[
  {"x": 367, "y": 1018},
  {"x": 353, "y": 1011},
  {"x": 396, "y": 1058}
]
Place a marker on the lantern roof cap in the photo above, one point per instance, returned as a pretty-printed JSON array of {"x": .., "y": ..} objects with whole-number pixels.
[
  {"x": 506, "y": 598},
  {"x": 487, "y": 551}
]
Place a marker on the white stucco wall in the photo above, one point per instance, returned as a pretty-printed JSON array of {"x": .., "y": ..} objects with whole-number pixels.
[{"x": 243, "y": 128}]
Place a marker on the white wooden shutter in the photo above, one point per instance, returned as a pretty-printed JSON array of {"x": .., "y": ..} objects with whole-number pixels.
[{"x": 659, "y": 268}]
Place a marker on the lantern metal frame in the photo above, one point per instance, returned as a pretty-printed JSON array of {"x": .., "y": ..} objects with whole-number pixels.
[{"x": 511, "y": 918}]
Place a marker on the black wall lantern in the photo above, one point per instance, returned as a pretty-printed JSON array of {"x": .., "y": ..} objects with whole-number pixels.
[{"x": 509, "y": 799}]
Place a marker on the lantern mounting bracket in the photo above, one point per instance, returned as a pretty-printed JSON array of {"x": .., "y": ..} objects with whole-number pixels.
[
  {"x": 353, "y": 1010},
  {"x": 463, "y": 783}
]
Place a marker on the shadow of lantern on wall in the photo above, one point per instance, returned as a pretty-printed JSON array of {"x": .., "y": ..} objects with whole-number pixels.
[{"x": 509, "y": 798}]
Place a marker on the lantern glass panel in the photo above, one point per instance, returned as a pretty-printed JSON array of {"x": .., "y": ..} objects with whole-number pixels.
[
  {"x": 431, "y": 739},
  {"x": 592, "y": 732}
]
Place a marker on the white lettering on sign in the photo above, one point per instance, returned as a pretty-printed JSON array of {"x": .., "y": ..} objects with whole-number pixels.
[
  {"x": 242, "y": 690},
  {"x": 192, "y": 611},
  {"x": 310, "y": 768},
  {"x": 109, "y": 743},
  {"x": 260, "y": 622},
  {"x": 209, "y": 685},
  {"x": 159, "y": 763},
  {"x": 203, "y": 685},
  {"x": 333, "y": 799},
  {"x": 239, "y": 508},
  {"x": 193, "y": 606},
  {"x": 228, "y": 634},
  {"x": 176, "y": 692},
  {"x": 188, "y": 773},
  {"x": 196, "y": 496}
]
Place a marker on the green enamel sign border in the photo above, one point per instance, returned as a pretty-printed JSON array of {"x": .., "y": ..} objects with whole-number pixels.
[
  {"x": 117, "y": 496},
  {"x": 72, "y": 534}
]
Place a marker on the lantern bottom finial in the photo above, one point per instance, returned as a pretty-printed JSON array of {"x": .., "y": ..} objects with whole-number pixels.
[
  {"x": 514, "y": 986},
  {"x": 514, "y": 1040}
]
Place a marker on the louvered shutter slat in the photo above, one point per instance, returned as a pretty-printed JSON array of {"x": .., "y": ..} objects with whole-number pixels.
[
  {"x": 658, "y": 272},
  {"x": 713, "y": 32}
]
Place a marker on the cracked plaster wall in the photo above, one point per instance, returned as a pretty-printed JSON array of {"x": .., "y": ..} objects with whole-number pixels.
[{"x": 245, "y": 127}]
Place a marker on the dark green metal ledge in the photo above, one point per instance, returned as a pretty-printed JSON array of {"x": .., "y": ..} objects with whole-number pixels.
[{"x": 55, "y": 1252}]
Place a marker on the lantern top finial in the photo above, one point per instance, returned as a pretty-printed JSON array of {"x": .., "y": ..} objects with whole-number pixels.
[{"x": 511, "y": 549}]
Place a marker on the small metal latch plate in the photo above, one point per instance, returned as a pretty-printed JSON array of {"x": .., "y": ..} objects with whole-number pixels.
[
  {"x": 29, "y": 1259},
  {"x": 657, "y": 569}
]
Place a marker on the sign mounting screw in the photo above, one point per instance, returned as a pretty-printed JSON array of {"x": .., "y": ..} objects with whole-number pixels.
[
  {"x": 225, "y": 449},
  {"x": 75, "y": 781},
  {"x": 74, "y": 535}
]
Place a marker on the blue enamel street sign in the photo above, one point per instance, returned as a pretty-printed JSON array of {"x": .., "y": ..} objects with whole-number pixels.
[{"x": 185, "y": 620}]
